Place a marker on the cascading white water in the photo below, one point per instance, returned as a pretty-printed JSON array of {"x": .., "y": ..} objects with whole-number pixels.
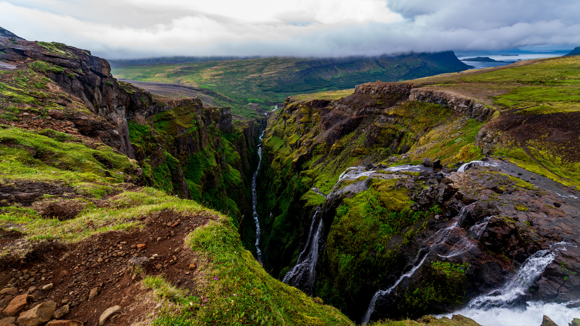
[
  {"x": 465, "y": 166},
  {"x": 517, "y": 285},
  {"x": 495, "y": 309},
  {"x": 440, "y": 237},
  {"x": 532, "y": 315},
  {"x": 303, "y": 274},
  {"x": 255, "y": 201},
  {"x": 477, "y": 230},
  {"x": 380, "y": 293}
]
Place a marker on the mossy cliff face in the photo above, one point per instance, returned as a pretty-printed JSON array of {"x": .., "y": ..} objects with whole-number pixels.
[
  {"x": 182, "y": 147},
  {"x": 380, "y": 226},
  {"x": 310, "y": 143},
  {"x": 198, "y": 153}
]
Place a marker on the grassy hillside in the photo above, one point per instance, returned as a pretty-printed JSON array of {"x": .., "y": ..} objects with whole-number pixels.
[
  {"x": 268, "y": 81},
  {"x": 537, "y": 121}
]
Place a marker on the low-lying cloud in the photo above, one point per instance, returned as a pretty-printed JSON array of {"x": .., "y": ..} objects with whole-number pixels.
[{"x": 149, "y": 28}]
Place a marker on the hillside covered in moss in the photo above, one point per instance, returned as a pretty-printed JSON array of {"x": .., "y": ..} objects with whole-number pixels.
[
  {"x": 402, "y": 225},
  {"x": 123, "y": 208}
]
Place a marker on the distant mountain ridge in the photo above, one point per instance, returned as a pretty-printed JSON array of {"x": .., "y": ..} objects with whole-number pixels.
[
  {"x": 576, "y": 51},
  {"x": 268, "y": 81}
]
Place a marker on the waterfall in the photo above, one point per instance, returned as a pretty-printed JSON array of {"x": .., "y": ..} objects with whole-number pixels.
[
  {"x": 380, "y": 293},
  {"x": 496, "y": 308},
  {"x": 518, "y": 284},
  {"x": 255, "y": 201},
  {"x": 466, "y": 166},
  {"x": 435, "y": 241},
  {"x": 477, "y": 230},
  {"x": 303, "y": 274}
]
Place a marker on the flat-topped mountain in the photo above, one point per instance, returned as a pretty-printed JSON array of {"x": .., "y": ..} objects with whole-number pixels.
[{"x": 481, "y": 59}]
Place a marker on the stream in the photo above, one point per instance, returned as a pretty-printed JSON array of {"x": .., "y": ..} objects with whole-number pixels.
[{"x": 255, "y": 200}]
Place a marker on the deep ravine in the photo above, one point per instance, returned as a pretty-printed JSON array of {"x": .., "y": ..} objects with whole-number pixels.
[{"x": 255, "y": 200}]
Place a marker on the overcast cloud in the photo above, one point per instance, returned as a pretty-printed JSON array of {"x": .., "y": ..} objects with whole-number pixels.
[{"x": 149, "y": 28}]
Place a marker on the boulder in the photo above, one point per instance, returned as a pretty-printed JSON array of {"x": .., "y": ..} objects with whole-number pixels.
[
  {"x": 427, "y": 162},
  {"x": 37, "y": 315},
  {"x": 65, "y": 323},
  {"x": 16, "y": 305},
  {"x": 548, "y": 322},
  {"x": 437, "y": 164},
  {"x": 575, "y": 322},
  {"x": 108, "y": 313}
]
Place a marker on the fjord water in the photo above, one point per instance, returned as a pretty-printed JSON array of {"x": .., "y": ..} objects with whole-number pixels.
[{"x": 255, "y": 200}]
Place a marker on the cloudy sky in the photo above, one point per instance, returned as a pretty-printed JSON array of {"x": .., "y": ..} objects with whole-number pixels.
[{"x": 149, "y": 28}]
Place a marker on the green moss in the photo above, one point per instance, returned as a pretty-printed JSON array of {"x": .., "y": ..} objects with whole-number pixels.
[
  {"x": 163, "y": 173},
  {"x": 46, "y": 67},
  {"x": 312, "y": 199},
  {"x": 27, "y": 155},
  {"x": 240, "y": 291},
  {"x": 445, "y": 285}
]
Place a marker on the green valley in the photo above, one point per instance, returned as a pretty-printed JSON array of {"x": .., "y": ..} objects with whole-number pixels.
[{"x": 268, "y": 81}]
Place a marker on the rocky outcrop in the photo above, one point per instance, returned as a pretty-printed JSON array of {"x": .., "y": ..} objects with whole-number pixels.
[
  {"x": 9, "y": 35},
  {"x": 89, "y": 79},
  {"x": 459, "y": 103}
]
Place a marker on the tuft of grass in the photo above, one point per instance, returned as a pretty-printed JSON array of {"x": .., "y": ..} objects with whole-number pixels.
[{"x": 46, "y": 67}]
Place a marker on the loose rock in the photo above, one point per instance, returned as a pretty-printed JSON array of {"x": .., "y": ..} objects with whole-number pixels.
[
  {"x": 7, "y": 321},
  {"x": 11, "y": 291},
  {"x": 108, "y": 313},
  {"x": 48, "y": 287},
  {"x": 65, "y": 323},
  {"x": 16, "y": 305},
  {"x": 63, "y": 311},
  {"x": 94, "y": 293},
  {"x": 37, "y": 315}
]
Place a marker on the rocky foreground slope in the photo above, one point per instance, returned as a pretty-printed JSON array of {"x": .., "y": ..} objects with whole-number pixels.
[
  {"x": 369, "y": 203},
  {"x": 97, "y": 225}
]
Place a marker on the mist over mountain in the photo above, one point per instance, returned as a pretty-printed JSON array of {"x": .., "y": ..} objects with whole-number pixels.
[{"x": 129, "y": 29}]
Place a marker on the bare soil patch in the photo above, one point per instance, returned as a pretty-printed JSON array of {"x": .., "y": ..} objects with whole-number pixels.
[{"x": 106, "y": 262}]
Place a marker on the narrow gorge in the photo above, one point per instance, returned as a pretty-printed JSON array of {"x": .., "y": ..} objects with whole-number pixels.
[{"x": 407, "y": 199}]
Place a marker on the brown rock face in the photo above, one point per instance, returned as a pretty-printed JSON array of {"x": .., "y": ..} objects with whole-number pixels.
[
  {"x": 37, "y": 315},
  {"x": 456, "y": 102},
  {"x": 548, "y": 322},
  {"x": 16, "y": 305}
]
